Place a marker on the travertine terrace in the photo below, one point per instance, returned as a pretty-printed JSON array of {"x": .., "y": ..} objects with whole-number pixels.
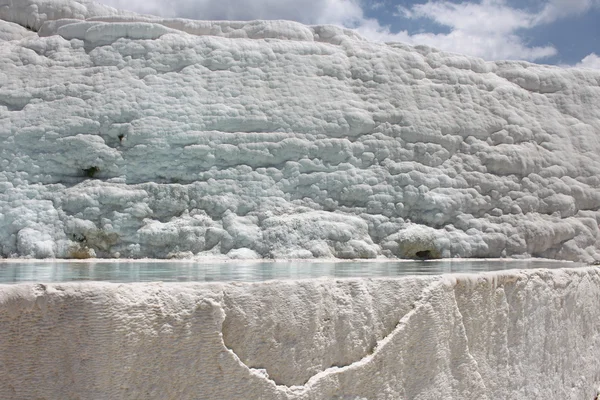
[
  {"x": 503, "y": 335},
  {"x": 136, "y": 136}
]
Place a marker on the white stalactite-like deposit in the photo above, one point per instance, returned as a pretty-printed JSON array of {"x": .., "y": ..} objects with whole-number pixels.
[
  {"x": 530, "y": 334},
  {"x": 136, "y": 136}
]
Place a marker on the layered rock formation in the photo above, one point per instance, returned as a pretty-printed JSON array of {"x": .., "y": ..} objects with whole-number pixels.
[{"x": 134, "y": 136}]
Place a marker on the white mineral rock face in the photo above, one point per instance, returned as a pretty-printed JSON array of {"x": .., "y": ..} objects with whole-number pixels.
[
  {"x": 134, "y": 136},
  {"x": 510, "y": 335}
]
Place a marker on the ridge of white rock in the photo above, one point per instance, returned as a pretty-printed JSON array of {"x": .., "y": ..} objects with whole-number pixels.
[
  {"x": 525, "y": 334},
  {"x": 136, "y": 136},
  {"x": 33, "y": 13}
]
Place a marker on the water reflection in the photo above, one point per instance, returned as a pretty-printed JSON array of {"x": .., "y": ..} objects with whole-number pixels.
[{"x": 36, "y": 271}]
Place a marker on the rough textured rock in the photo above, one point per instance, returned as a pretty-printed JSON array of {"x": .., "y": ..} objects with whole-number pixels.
[
  {"x": 527, "y": 334},
  {"x": 135, "y": 136}
]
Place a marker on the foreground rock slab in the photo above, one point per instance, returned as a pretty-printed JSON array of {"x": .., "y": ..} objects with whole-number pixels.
[{"x": 514, "y": 334}]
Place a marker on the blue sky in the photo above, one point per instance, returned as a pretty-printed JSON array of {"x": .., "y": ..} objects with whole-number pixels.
[{"x": 560, "y": 32}]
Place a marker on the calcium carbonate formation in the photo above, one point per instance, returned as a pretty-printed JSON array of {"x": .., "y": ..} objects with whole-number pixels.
[
  {"x": 513, "y": 335},
  {"x": 136, "y": 136}
]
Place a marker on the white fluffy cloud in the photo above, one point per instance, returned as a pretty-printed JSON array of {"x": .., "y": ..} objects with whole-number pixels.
[
  {"x": 487, "y": 29},
  {"x": 489, "y": 16},
  {"x": 557, "y": 9},
  {"x": 590, "y": 61}
]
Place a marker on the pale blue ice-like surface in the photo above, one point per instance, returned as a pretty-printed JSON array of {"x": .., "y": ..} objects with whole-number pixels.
[
  {"x": 132, "y": 136},
  {"x": 178, "y": 271}
]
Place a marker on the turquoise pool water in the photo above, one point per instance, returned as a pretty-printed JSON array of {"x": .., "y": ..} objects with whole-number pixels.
[{"x": 178, "y": 271}]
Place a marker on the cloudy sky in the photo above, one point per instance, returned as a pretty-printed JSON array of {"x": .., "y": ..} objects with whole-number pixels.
[{"x": 561, "y": 32}]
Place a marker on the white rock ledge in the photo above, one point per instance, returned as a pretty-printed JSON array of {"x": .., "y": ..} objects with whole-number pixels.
[{"x": 522, "y": 334}]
